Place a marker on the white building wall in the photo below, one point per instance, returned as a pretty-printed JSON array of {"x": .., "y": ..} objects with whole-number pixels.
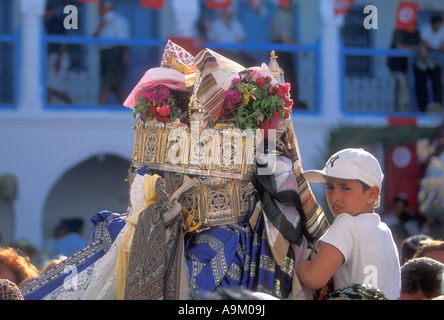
[{"x": 40, "y": 150}]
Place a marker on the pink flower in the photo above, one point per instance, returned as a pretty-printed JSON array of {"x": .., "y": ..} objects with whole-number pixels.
[
  {"x": 232, "y": 97},
  {"x": 156, "y": 94},
  {"x": 236, "y": 80},
  {"x": 163, "y": 92},
  {"x": 164, "y": 110}
]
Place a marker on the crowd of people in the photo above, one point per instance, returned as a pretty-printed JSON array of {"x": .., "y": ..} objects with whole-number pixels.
[{"x": 20, "y": 262}]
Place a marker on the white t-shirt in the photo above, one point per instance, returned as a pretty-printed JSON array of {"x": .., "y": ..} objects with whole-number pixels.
[
  {"x": 117, "y": 27},
  {"x": 434, "y": 39},
  {"x": 231, "y": 32},
  {"x": 370, "y": 254}
]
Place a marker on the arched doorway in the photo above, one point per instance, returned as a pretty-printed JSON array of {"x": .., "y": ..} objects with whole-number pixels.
[{"x": 96, "y": 184}]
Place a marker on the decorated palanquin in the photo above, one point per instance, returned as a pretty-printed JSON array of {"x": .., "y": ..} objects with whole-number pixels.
[{"x": 217, "y": 196}]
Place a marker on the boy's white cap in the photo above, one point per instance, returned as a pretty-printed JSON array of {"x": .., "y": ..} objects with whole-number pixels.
[{"x": 352, "y": 164}]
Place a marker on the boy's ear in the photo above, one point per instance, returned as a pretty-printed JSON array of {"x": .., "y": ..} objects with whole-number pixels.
[{"x": 373, "y": 194}]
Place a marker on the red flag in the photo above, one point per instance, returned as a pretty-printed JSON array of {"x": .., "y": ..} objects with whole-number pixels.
[
  {"x": 284, "y": 3},
  {"x": 218, "y": 4},
  {"x": 255, "y": 4},
  {"x": 402, "y": 174},
  {"x": 406, "y": 15},
  {"x": 342, "y": 6},
  {"x": 402, "y": 121},
  {"x": 152, "y": 4}
]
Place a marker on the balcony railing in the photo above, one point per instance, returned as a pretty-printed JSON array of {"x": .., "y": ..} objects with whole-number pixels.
[
  {"x": 369, "y": 86},
  {"x": 83, "y": 80}
]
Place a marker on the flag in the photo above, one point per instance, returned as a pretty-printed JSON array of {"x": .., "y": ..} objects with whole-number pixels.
[
  {"x": 152, "y": 4},
  {"x": 255, "y": 4},
  {"x": 218, "y": 4},
  {"x": 402, "y": 174},
  {"x": 406, "y": 15},
  {"x": 342, "y": 6},
  {"x": 284, "y": 3}
]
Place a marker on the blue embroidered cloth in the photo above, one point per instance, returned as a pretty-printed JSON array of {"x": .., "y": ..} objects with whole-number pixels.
[
  {"x": 107, "y": 227},
  {"x": 236, "y": 256}
]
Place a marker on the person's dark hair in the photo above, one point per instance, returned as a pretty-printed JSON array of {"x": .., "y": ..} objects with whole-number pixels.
[
  {"x": 436, "y": 18},
  {"x": 429, "y": 246},
  {"x": 74, "y": 224},
  {"x": 365, "y": 186},
  {"x": 411, "y": 245},
  {"x": 422, "y": 275}
]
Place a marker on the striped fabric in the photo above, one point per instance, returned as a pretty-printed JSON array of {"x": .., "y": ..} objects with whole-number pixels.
[
  {"x": 217, "y": 73},
  {"x": 316, "y": 221}
]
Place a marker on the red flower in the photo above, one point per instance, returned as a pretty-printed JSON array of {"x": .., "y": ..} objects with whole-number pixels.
[
  {"x": 270, "y": 90},
  {"x": 288, "y": 103},
  {"x": 261, "y": 81},
  {"x": 153, "y": 110},
  {"x": 280, "y": 91},
  {"x": 165, "y": 110},
  {"x": 286, "y": 113},
  {"x": 286, "y": 87}
]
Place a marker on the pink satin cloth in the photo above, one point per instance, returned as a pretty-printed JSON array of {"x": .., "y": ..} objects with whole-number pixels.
[{"x": 153, "y": 77}]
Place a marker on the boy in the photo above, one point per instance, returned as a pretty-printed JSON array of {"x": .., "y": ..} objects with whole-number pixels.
[{"x": 358, "y": 247}]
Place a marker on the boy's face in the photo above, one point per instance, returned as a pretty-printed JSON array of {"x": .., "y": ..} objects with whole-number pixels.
[{"x": 348, "y": 196}]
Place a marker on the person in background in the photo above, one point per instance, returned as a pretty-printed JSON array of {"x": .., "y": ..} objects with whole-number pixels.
[
  {"x": 402, "y": 40},
  {"x": 411, "y": 245},
  {"x": 427, "y": 67},
  {"x": 72, "y": 241},
  {"x": 227, "y": 28},
  {"x": 281, "y": 31},
  {"x": 9, "y": 290},
  {"x": 433, "y": 249},
  {"x": 58, "y": 57},
  {"x": 402, "y": 221},
  {"x": 421, "y": 279},
  {"x": 14, "y": 266},
  {"x": 356, "y": 291},
  {"x": 113, "y": 58}
]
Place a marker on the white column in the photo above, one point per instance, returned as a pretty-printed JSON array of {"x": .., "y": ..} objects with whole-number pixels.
[
  {"x": 330, "y": 55},
  {"x": 28, "y": 207},
  {"x": 31, "y": 90}
]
